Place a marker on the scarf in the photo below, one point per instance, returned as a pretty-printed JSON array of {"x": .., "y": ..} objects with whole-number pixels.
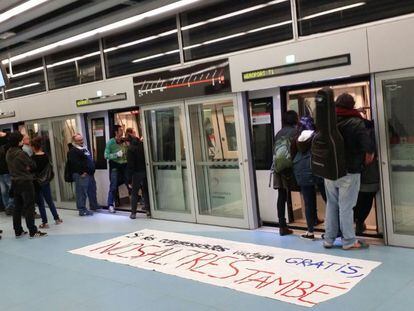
[{"x": 343, "y": 112}]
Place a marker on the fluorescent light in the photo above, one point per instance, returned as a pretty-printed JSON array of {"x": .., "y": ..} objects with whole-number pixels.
[
  {"x": 342, "y": 8},
  {"x": 102, "y": 29},
  {"x": 20, "y": 9},
  {"x": 25, "y": 72},
  {"x": 22, "y": 87},
  {"x": 225, "y": 16},
  {"x": 237, "y": 35},
  {"x": 154, "y": 56},
  {"x": 73, "y": 59},
  {"x": 150, "y": 38}
]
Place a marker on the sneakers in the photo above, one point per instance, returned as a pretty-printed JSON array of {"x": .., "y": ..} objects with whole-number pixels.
[
  {"x": 308, "y": 236},
  {"x": 357, "y": 245},
  {"x": 21, "y": 234},
  {"x": 133, "y": 216},
  {"x": 85, "y": 213},
  {"x": 285, "y": 231},
  {"x": 327, "y": 245},
  {"x": 38, "y": 234},
  {"x": 44, "y": 226},
  {"x": 111, "y": 209},
  {"x": 58, "y": 221}
]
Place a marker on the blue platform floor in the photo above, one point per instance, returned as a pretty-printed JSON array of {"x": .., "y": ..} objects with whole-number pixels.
[{"x": 40, "y": 274}]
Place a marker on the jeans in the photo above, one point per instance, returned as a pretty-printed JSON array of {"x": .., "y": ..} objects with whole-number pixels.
[
  {"x": 24, "y": 200},
  {"x": 363, "y": 207},
  {"x": 117, "y": 177},
  {"x": 44, "y": 194},
  {"x": 85, "y": 186},
  {"x": 309, "y": 196},
  {"x": 342, "y": 195},
  {"x": 5, "y": 185},
  {"x": 139, "y": 180},
  {"x": 281, "y": 206}
]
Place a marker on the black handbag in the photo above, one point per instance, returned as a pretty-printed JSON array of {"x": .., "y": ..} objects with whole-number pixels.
[{"x": 46, "y": 175}]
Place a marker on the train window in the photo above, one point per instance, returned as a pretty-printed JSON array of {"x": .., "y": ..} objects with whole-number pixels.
[
  {"x": 98, "y": 143},
  {"x": 323, "y": 15},
  {"x": 262, "y": 130}
]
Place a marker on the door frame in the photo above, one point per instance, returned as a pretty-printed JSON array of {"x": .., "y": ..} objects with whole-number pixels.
[
  {"x": 391, "y": 237},
  {"x": 250, "y": 216},
  {"x": 168, "y": 215}
]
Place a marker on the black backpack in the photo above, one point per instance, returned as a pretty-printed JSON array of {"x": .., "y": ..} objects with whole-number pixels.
[
  {"x": 328, "y": 149},
  {"x": 68, "y": 172}
]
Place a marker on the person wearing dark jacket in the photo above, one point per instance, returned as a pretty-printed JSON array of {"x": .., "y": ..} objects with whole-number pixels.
[
  {"x": 342, "y": 194},
  {"x": 304, "y": 175},
  {"x": 370, "y": 179},
  {"x": 136, "y": 173},
  {"x": 43, "y": 174},
  {"x": 20, "y": 168},
  {"x": 5, "y": 181},
  {"x": 284, "y": 181},
  {"x": 82, "y": 167}
]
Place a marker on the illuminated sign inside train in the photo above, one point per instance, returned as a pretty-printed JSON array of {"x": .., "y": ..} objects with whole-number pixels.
[{"x": 101, "y": 100}]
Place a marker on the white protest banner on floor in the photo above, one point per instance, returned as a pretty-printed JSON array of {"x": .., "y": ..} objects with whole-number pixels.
[{"x": 297, "y": 277}]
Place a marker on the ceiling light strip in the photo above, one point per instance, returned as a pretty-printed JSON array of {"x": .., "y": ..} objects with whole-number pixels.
[
  {"x": 20, "y": 9},
  {"x": 232, "y": 14},
  {"x": 102, "y": 29},
  {"x": 342, "y": 8},
  {"x": 25, "y": 72},
  {"x": 154, "y": 56},
  {"x": 22, "y": 87},
  {"x": 237, "y": 35}
]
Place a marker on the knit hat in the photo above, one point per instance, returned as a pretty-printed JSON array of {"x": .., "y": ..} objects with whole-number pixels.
[{"x": 345, "y": 101}]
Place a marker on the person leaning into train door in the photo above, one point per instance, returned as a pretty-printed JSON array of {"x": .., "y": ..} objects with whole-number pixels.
[
  {"x": 115, "y": 153},
  {"x": 283, "y": 177},
  {"x": 136, "y": 171},
  {"x": 342, "y": 193},
  {"x": 370, "y": 179}
]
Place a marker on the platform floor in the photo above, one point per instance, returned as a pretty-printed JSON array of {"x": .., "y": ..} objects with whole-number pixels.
[{"x": 40, "y": 274}]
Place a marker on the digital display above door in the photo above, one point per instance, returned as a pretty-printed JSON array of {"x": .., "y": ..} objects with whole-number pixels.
[
  {"x": 101, "y": 100},
  {"x": 198, "y": 80}
]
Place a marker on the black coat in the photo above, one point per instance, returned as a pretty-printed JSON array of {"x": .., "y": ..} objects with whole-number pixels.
[
  {"x": 357, "y": 142},
  {"x": 135, "y": 157},
  {"x": 78, "y": 162}
]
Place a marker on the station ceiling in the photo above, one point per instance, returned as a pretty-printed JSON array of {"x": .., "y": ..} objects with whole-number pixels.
[{"x": 29, "y": 24}]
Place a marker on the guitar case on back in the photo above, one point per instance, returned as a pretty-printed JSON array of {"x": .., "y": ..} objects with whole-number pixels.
[{"x": 328, "y": 150}]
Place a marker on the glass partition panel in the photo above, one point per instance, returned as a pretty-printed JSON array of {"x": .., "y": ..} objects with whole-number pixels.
[
  {"x": 78, "y": 65},
  {"x": 323, "y": 15},
  {"x": 234, "y": 25},
  {"x": 216, "y": 159},
  {"x": 41, "y": 128},
  {"x": 170, "y": 173},
  {"x": 25, "y": 78},
  {"x": 142, "y": 48},
  {"x": 399, "y": 110},
  {"x": 63, "y": 130}
]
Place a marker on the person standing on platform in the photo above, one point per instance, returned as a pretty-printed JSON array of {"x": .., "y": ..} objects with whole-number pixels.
[
  {"x": 21, "y": 167},
  {"x": 26, "y": 146},
  {"x": 43, "y": 175},
  {"x": 115, "y": 153},
  {"x": 5, "y": 181},
  {"x": 284, "y": 181},
  {"x": 137, "y": 173},
  {"x": 342, "y": 194},
  {"x": 82, "y": 168}
]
